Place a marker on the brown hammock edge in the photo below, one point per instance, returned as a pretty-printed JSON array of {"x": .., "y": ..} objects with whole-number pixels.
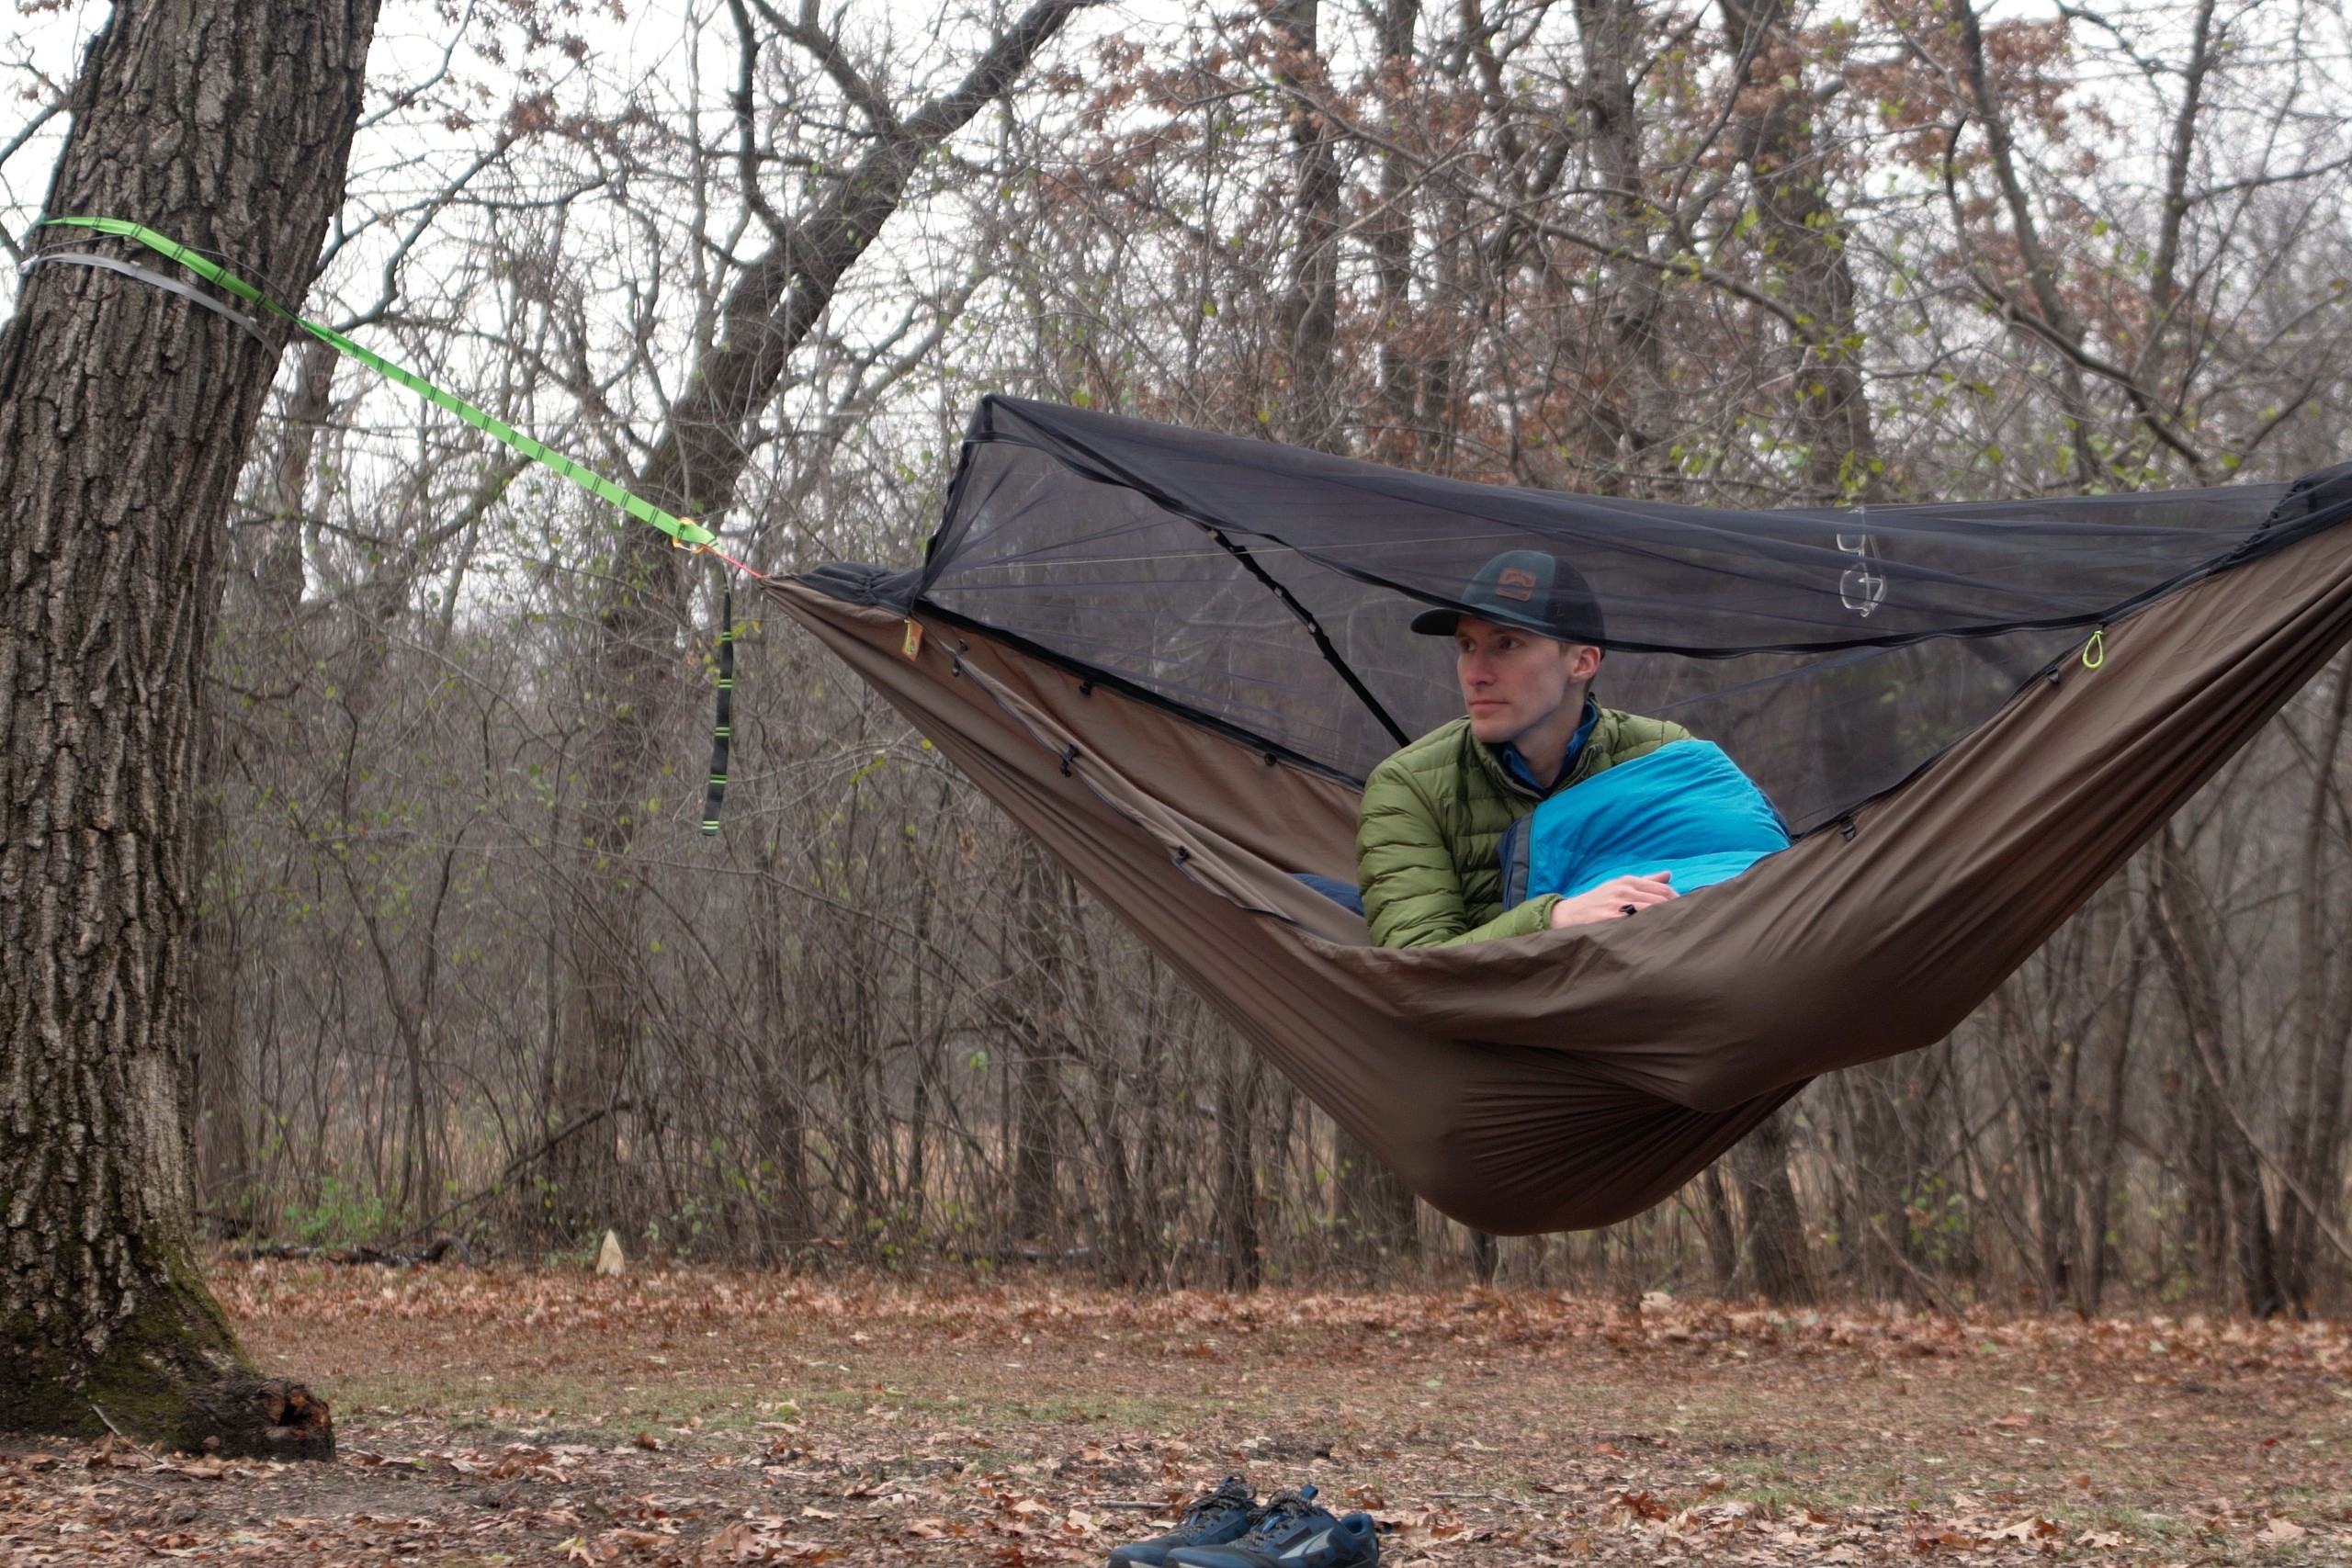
[{"x": 1574, "y": 1078}]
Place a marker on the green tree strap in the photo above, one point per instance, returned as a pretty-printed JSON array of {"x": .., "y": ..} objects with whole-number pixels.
[{"x": 684, "y": 530}]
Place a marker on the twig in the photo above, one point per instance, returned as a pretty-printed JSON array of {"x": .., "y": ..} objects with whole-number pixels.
[
  {"x": 2175, "y": 940},
  {"x": 110, "y": 1425},
  {"x": 517, "y": 1163},
  {"x": 1128, "y": 1503},
  {"x": 1919, "y": 1276},
  {"x": 2209, "y": 1060}
]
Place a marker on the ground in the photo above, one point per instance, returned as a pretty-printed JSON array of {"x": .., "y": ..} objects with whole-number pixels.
[{"x": 510, "y": 1415}]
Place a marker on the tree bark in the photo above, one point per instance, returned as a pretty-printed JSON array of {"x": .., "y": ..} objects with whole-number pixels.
[
  {"x": 125, "y": 415},
  {"x": 1886, "y": 1171},
  {"x": 1485, "y": 1257},
  {"x": 1804, "y": 242},
  {"x": 1715, "y": 1217},
  {"x": 1308, "y": 320},
  {"x": 1377, "y": 1212},
  {"x": 2111, "y": 1034},
  {"x": 2041, "y": 270},
  {"x": 2184, "y": 932},
  {"x": 1391, "y": 428},
  {"x": 223, "y": 1181},
  {"x": 1775, "y": 1224},
  {"x": 1378, "y": 1217},
  {"x": 1634, "y": 408},
  {"x": 2313, "y": 1118},
  {"x": 1240, "y": 1082},
  {"x": 1038, "y": 1134}
]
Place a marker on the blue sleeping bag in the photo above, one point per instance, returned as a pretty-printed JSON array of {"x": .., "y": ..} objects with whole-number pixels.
[{"x": 1685, "y": 807}]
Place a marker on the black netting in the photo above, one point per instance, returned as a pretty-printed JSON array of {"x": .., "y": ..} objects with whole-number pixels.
[{"x": 1267, "y": 589}]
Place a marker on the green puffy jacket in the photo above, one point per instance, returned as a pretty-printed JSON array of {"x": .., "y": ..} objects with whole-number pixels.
[{"x": 1434, "y": 816}]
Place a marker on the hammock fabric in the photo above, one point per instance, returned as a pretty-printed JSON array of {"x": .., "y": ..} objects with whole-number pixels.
[{"x": 1171, "y": 656}]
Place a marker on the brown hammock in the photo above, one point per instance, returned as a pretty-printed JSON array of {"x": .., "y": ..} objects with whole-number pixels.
[{"x": 1576, "y": 1077}]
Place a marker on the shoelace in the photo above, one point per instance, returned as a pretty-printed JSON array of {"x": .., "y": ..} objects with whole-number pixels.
[
  {"x": 1229, "y": 1497},
  {"x": 1287, "y": 1507}
]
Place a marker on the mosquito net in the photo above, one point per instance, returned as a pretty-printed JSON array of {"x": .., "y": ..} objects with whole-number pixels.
[
  {"x": 1105, "y": 594},
  {"x": 1268, "y": 590}
]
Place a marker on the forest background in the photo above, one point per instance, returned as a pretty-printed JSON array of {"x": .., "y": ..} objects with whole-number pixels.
[{"x": 469, "y": 965}]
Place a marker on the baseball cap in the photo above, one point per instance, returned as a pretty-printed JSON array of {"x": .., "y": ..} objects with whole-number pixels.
[{"x": 1525, "y": 587}]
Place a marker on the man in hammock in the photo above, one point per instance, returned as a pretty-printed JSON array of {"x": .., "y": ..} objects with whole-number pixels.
[{"x": 1436, "y": 813}]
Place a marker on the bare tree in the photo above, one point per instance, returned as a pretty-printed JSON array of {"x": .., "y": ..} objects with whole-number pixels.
[{"x": 767, "y": 310}]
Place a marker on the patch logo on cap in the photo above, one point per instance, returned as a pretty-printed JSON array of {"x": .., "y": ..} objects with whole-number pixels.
[{"x": 1515, "y": 582}]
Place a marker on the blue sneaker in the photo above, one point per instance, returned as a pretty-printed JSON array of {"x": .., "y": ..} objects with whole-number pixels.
[
  {"x": 1208, "y": 1521},
  {"x": 1291, "y": 1532}
]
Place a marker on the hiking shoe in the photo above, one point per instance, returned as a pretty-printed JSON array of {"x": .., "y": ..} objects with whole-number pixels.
[
  {"x": 1291, "y": 1532},
  {"x": 1208, "y": 1521}
]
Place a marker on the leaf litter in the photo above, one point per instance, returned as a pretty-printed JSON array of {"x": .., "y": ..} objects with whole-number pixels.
[{"x": 721, "y": 1418}]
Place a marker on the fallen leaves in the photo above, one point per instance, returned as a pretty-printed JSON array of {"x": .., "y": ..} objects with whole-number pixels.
[
  {"x": 1930, "y": 1540},
  {"x": 764, "y": 1540},
  {"x": 813, "y": 1419},
  {"x": 651, "y": 1304},
  {"x": 1630, "y": 1506}
]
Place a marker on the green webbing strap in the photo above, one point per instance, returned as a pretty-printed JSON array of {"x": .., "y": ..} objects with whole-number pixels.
[
  {"x": 723, "y": 734},
  {"x": 681, "y": 529}
]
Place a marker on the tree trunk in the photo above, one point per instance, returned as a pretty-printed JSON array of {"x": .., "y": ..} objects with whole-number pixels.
[
  {"x": 781, "y": 1125},
  {"x": 2313, "y": 1126},
  {"x": 1378, "y": 1216},
  {"x": 1775, "y": 1224},
  {"x": 597, "y": 1024},
  {"x": 125, "y": 415},
  {"x": 1240, "y": 1081},
  {"x": 2111, "y": 1034},
  {"x": 1888, "y": 1171},
  {"x": 1723, "y": 1241},
  {"x": 2041, "y": 1074},
  {"x": 1037, "y": 1138},
  {"x": 1634, "y": 409},
  {"x": 2184, "y": 932},
  {"x": 1392, "y": 427},
  {"x": 263, "y": 601},
  {"x": 1308, "y": 320},
  {"x": 223, "y": 1181},
  {"x": 1485, "y": 1257},
  {"x": 1804, "y": 242},
  {"x": 2041, "y": 270}
]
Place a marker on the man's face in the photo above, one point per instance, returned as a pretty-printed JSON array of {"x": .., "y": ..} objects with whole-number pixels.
[{"x": 1513, "y": 679}]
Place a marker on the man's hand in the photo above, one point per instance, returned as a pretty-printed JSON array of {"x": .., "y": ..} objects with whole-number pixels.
[{"x": 1613, "y": 899}]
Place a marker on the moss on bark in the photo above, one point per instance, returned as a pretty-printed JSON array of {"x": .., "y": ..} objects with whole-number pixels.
[{"x": 170, "y": 1371}]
